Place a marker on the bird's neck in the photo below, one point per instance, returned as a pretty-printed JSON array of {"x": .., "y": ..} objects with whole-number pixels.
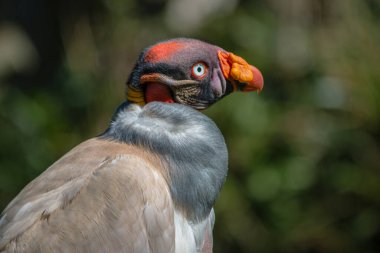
[{"x": 190, "y": 146}]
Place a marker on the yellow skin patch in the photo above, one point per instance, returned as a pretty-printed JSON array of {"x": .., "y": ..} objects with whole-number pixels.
[{"x": 135, "y": 95}]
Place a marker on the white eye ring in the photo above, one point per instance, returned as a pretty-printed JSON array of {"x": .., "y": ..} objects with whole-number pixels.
[{"x": 199, "y": 70}]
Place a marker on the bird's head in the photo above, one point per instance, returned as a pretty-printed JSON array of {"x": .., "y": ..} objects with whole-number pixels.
[{"x": 189, "y": 72}]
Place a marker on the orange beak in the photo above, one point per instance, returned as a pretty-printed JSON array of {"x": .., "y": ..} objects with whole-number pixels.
[{"x": 238, "y": 71}]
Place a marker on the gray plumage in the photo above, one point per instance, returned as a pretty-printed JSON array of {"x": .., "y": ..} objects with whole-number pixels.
[
  {"x": 189, "y": 142},
  {"x": 146, "y": 185}
]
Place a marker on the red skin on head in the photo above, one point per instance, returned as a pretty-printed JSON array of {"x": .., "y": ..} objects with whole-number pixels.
[
  {"x": 163, "y": 51},
  {"x": 158, "y": 92}
]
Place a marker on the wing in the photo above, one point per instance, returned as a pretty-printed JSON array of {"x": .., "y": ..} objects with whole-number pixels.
[{"x": 100, "y": 197}]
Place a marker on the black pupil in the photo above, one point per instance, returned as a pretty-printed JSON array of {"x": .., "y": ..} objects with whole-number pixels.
[{"x": 199, "y": 69}]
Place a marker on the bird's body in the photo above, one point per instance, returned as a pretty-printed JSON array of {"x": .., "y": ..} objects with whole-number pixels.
[
  {"x": 111, "y": 193},
  {"x": 149, "y": 183},
  {"x": 72, "y": 206}
]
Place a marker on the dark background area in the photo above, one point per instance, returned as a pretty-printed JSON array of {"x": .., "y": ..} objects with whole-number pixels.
[{"x": 304, "y": 154}]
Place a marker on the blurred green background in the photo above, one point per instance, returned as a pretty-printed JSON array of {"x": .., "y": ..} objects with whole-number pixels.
[{"x": 304, "y": 154}]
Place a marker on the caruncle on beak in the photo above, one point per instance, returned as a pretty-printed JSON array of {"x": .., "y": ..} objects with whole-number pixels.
[{"x": 243, "y": 76}]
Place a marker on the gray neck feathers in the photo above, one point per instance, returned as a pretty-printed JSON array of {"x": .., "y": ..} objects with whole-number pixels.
[{"x": 189, "y": 143}]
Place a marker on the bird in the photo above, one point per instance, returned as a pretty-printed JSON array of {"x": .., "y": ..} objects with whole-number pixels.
[{"x": 149, "y": 182}]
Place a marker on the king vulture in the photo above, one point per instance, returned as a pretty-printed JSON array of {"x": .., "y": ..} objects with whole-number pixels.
[{"x": 149, "y": 182}]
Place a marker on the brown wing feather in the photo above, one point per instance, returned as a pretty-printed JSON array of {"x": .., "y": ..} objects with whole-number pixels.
[{"x": 100, "y": 197}]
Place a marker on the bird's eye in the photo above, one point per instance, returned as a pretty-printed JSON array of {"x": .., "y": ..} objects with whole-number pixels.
[{"x": 199, "y": 70}]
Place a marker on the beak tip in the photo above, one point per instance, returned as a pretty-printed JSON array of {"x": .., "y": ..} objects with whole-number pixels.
[{"x": 257, "y": 83}]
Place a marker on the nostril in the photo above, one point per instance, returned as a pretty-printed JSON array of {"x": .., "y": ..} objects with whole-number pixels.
[{"x": 218, "y": 83}]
